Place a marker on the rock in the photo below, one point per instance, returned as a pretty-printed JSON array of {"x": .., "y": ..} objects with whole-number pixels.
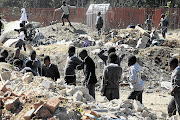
[
  {"x": 145, "y": 113},
  {"x": 175, "y": 117},
  {"x": 152, "y": 116},
  {"x": 28, "y": 77},
  {"x": 12, "y": 104},
  {"x": 47, "y": 84},
  {"x": 116, "y": 101},
  {"x": 163, "y": 115},
  {"x": 126, "y": 105},
  {"x": 102, "y": 99},
  {"x": 42, "y": 112},
  {"x": 37, "y": 104},
  {"x": 61, "y": 114},
  {"x": 147, "y": 118},
  {"x": 29, "y": 114},
  {"x": 89, "y": 97},
  {"x": 128, "y": 101},
  {"x": 5, "y": 76},
  {"x": 138, "y": 106},
  {"x": 78, "y": 96},
  {"x": 52, "y": 104},
  {"x": 72, "y": 89},
  {"x": 167, "y": 85},
  {"x": 126, "y": 110}
]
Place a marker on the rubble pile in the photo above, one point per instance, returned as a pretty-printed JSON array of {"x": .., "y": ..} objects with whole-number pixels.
[{"x": 27, "y": 96}]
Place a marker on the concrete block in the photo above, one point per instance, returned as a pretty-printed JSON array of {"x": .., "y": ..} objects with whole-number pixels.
[
  {"x": 12, "y": 104},
  {"x": 142, "y": 42},
  {"x": 138, "y": 106},
  {"x": 147, "y": 118},
  {"x": 42, "y": 112},
  {"x": 5, "y": 76},
  {"x": 78, "y": 96},
  {"x": 47, "y": 84},
  {"x": 52, "y": 104},
  {"x": 29, "y": 114},
  {"x": 126, "y": 105},
  {"x": 28, "y": 77},
  {"x": 145, "y": 113},
  {"x": 128, "y": 101}
]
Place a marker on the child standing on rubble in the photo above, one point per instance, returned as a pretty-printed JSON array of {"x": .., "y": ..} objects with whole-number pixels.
[
  {"x": 66, "y": 12},
  {"x": 99, "y": 23},
  {"x": 136, "y": 83},
  {"x": 164, "y": 23},
  {"x": 111, "y": 77}
]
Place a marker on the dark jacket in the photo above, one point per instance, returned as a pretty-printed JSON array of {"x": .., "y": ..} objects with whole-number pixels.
[
  {"x": 111, "y": 77},
  {"x": 89, "y": 71},
  {"x": 175, "y": 79},
  {"x": 71, "y": 64},
  {"x": 11, "y": 61},
  {"x": 51, "y": 71}
]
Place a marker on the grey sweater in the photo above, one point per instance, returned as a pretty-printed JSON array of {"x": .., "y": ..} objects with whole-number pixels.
[
  {"x": 71, "y": 64},
  {"x": 111, "y": 77},
  {"x": 175, "y": 79}
]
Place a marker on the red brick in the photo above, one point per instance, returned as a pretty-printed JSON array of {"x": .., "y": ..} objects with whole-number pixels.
[
  {"x": 42, "y": 112},
  {"x": 29, "y": 114},
  {"x": 3, "y": 87},
  {"x": 36, "y": 105},
  {"x": 52, "y": 104}
]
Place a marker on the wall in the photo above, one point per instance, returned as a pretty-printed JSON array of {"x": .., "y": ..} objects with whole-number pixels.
[{"x": 115, "y": 17}]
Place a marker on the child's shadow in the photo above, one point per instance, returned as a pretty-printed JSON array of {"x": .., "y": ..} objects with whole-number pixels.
[{"x": 75, "y": 31}]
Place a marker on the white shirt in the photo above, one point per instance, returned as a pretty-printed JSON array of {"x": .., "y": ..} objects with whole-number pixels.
[
  {"x": 23, "y": 15},
  {"x": 65, "y": 9}
]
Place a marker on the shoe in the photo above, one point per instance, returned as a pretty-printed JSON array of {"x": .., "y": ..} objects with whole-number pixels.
[{"x": 62, "y": 24}]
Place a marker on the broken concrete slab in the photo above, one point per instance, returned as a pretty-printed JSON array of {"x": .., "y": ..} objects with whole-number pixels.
[
  {"x": 12, "y": 104},
  {"x": 29, "y": 114},
  {"x": 5, "y": 76},
  {"x": 47, "y": 84}
]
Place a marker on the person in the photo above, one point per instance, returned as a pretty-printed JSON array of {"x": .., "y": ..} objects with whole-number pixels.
[
  {"x": 16, "y": 56},
  {"x": 164, "y": 23},
  {"x": 66, "y": 12},
  {"x": 135, "y": 81},
  {"x": 111, "y": 78},
  {"x": 22, "y": 37},
  {"x": 49, "y": 69},
  {"x": 105, "y": 58},
  {"x": 36, "y": 64},
  {"x": 71, "y": 63},
  {"x": 148, "y": 23},
  {"x": 4, "y": 55},
  {"x": 99, "y": 23},
  {"x": 28, "y": 68},
  {"x": 17, "y": 64},
  {"x": 1, "y": 24},
  {"x": 89, "y": 72},
  {"x": 23, "y": 18},
  {"x": 174, "y": 104}
]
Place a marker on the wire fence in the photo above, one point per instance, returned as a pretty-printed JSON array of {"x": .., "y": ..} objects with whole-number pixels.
[{"x": 119, "y": 17}]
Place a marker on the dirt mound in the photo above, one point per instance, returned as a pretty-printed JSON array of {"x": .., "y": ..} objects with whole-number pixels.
[{"x": 59, "y": 32}]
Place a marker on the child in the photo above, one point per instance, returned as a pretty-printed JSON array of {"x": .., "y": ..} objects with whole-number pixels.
[
  {"x": 136, "y": 83},
  {"x": 99, "y": 23},
  {"x": 111, "y": 78}
]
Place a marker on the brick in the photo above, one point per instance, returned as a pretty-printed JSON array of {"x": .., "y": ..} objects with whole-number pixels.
[
  {"x": 29, "y": 114},
  {"x": 37, "y": 104},
  {"x": 3, "y": 87},
  {"x": 42, "y": 112},
  {"x": 52, "y": 104},
  {"x": 12, "y": 104}
]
